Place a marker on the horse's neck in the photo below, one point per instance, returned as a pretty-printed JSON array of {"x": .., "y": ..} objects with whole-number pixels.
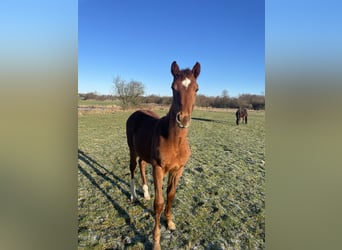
[{"x": 174, "y": 131}]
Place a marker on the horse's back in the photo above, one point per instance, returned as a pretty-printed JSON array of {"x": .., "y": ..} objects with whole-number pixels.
[
  {"x": 140, "y": 119},
  {"x": 139, "y": 129},
  {"x": 241, "y": 112}
]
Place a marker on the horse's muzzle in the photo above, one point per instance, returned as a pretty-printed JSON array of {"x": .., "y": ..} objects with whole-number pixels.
[{"x": 183, "y": 121}]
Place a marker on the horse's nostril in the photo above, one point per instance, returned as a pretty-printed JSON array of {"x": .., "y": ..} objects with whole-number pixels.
[
  {"x": 182, "y": 120},
  {"x": 178, "y": 117}
]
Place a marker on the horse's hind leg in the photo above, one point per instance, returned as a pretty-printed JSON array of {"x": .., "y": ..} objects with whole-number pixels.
[
  {"x": 132, "y": 166},
  {"x": 245, "y": 119},
  {"x": 142, "y": 165}
]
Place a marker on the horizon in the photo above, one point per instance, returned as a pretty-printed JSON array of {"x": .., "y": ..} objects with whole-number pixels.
[{"x": 145, "y": 95}]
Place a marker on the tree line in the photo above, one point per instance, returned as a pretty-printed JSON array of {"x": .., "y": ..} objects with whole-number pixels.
[
  {"x": 250, "y": 101},
  {"x": 132, "y": 94}
]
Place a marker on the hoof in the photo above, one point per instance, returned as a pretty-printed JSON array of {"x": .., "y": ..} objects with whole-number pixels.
[
  {"x": 171, "y": 226},
  {"x": 133, "y": 199},
  {"x": 156, "y": 246}
]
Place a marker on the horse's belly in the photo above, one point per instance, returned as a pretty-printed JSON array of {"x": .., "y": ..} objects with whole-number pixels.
[{"x": 142, "y": 144}]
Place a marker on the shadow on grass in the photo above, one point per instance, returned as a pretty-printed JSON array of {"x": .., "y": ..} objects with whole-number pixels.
[
  {"x": 97, "y": 168},
  {"x": 206, "y": 120}
]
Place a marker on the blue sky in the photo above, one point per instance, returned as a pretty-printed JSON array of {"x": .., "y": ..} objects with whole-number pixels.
[{"x": 138, "y": 40}]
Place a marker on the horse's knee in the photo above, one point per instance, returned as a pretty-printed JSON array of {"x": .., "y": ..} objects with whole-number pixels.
[{"x": 158, "y": 206}]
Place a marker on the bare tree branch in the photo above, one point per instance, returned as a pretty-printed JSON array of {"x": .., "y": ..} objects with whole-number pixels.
[{"x": 129, "y": 93}]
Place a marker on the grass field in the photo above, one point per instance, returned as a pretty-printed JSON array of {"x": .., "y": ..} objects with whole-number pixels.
[{"x": 220, "y": 200}]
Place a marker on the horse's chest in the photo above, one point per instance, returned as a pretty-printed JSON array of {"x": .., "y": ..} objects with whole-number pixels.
[{"x": 174, "y": 155}]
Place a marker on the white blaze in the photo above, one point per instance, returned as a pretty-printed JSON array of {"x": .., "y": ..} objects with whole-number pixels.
[{"x": 186, "y": 82}]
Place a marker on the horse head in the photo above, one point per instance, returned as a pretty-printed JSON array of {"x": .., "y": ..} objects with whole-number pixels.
[{"x": 184, "y": 87}]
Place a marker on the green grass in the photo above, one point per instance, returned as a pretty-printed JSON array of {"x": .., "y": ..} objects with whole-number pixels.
[
  {"x": 220, "y": 200},
  {"x": 98, "y": 102}
]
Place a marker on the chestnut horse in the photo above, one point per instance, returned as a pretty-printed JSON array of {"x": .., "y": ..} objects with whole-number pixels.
[
  {"x": 162, "y": 142},
  {"x": 241, "y": 113}
]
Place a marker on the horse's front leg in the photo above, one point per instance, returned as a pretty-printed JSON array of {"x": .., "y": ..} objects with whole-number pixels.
[
  {"x": 158, "y": 175},
  {"x": 172, "y": 183}
]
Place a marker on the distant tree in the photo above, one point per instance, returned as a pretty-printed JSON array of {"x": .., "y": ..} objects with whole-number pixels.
[
  {"x": 252, "y": 101},
  {"x": 233, "y": 103},
  {"x": 152, "y": 99},
  {"x": 225, "y": 99},
  {"x": 225, "y": 93},
  {"x": 166, "y": 100},
  {"x": 203, "y": 101},
  {"x": 128, "y": 93},
  {"x": 258, "y": 102},
  {"x": 89, "y": 96}
]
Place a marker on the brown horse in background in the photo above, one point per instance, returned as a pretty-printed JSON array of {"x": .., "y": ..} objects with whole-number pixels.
[
  {"x": 241, "y": 113},
  {"x": 162, "y": 142}
]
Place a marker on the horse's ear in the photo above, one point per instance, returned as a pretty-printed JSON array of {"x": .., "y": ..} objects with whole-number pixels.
[
  {"x": 196, "y": 70},
  {"x": 174, "y": 68}
]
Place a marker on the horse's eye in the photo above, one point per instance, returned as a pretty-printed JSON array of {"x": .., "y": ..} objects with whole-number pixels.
[{"x": 197, "y": 90}]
